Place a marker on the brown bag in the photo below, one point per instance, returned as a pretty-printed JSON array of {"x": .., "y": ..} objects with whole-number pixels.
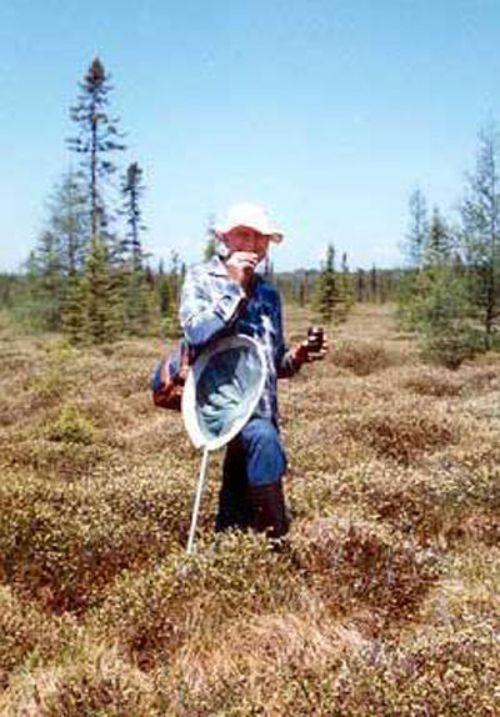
[{"x": 170, "y": 376}]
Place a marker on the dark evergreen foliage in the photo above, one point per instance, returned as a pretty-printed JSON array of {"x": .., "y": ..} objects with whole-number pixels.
[
  {"x": 328, "y": 297},
  {"x": 69, "y": 222},
  {"x": 96, "y": 142},
  {"x": 103, "y": 300},
  {"x": 418, "y": 228},
  {"x": 481, "y": 232},
  {"x": 132, "y": 192}
]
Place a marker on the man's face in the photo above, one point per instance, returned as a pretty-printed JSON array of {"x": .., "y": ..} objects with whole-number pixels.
[{"x": 247, "y": 239}]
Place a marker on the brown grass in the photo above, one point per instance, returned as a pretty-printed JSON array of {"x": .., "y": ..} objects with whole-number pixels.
[
  {"x": 402, "y": 432},
  {"x": 384, "y": 602},
  {"x": 360, "y": 357},
  {"x": 355, "y": 562}
]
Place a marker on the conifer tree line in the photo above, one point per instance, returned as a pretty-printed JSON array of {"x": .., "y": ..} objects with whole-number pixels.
[
  {"x": 334, "y": 288},
  {"x": 88, "y": 275},
  {"x": 450, "y": 292}
]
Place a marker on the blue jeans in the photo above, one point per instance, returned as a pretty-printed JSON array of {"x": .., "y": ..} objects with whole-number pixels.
[{"x": 255, "y": 457}]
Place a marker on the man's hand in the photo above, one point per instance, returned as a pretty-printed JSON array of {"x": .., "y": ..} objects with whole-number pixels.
[
  {"x": 241, "y": 266},
  {"x": 307, "y": 350}
]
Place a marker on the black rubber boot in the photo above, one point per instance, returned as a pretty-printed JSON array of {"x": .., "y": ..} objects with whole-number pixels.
[
  {"x": 233, "y": 505},
  {"x": 233, "y": 510},
  {"x": 268, "y": 510}
]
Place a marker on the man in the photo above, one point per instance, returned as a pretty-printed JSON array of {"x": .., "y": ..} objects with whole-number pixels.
[{"x": 224, "y": 296}]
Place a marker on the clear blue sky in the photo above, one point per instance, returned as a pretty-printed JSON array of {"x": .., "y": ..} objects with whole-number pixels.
[{"x": 328, "y": 112}]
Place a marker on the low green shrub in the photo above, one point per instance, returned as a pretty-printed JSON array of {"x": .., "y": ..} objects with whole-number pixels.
[
  {"x": 154, "y": 612},
  {"x": 72, "y": 426},
  {"x": 452, "y": 348},
  {"x": 53, "y": 381},
  {"x": 63, "y": 543},
  {"x": 437, "y": 673}
]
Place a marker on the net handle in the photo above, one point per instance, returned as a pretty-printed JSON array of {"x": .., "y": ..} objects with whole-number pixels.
[{"x": 197, "y": 502}]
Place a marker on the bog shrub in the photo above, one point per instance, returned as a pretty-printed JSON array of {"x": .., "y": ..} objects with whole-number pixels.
[
  {"x": 63, "y": 543},
  {"x": 72, "y": 426},
  {"x": 452, "y": 348},
  {"x": 357, "y": 561},
  {"x": 95, "y": 680},
  {"x": 434, "y": 383},
  {"x": 360, "y": 357},
  {"x": 437, "y": 673},
  {"x": 53, "y": 380},
  {"x": 403, "y": 434},
  {"x": 26, "y": 632},
  {"x": 154, "y": 612}
]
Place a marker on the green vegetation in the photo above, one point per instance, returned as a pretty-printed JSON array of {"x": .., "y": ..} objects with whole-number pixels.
[
  {"x": 384, "y": 600},
  {"x": 333, "y": 297},
  {"x": 450, "y": 293}
]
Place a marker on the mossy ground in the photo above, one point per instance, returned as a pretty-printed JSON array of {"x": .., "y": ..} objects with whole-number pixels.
[{"x": 385, "y": 602}]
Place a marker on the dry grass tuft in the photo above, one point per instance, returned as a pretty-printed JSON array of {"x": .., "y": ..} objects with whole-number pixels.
[
  {"x": 258, "y": 664},
  {"x": 94, "y": 681},
  {"x": 360, "y": 357},
  {"x": 254, "y": 648}
]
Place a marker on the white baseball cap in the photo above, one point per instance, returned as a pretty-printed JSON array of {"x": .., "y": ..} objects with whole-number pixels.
[{"x": 252, "y": 216}]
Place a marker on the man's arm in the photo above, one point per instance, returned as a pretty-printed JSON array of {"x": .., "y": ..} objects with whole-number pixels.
[
  {"x": 202, "y": 318},
  {"x": 289, "y": 360},
  {"x": 285, "y": 360}
]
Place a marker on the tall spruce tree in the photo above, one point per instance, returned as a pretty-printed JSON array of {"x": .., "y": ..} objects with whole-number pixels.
[
  {"x": 418, "y": 228},
  {"x": 137, "y": 295},
  {"x": 175, "y": 276},
  {"x": 438, "y": 244},
  {"x": 346, "y": 291},
  {"x": 303, "y": 289},
  {"x": 413, "y": 247},
  {"x": 69, "y": 222},
  {"x": 327, "y": 292},
  {"x": 59, "y": 253},
  {"x": 438, "y": 305},
  {"x": 74, "y": 314},
  {"x": 98, "y": 140},
  {"x": 46, "y": 283},
  {"x": 481, "y": 232},
  {"x": 103, "y": 297},
  {"x": 132, "y": 193},
  {"x": 169, "y": 293},
  {"x": 360, "y": 285},
  {"x": 374, "y": 284},
  {"x": 164, "y": 293}
]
